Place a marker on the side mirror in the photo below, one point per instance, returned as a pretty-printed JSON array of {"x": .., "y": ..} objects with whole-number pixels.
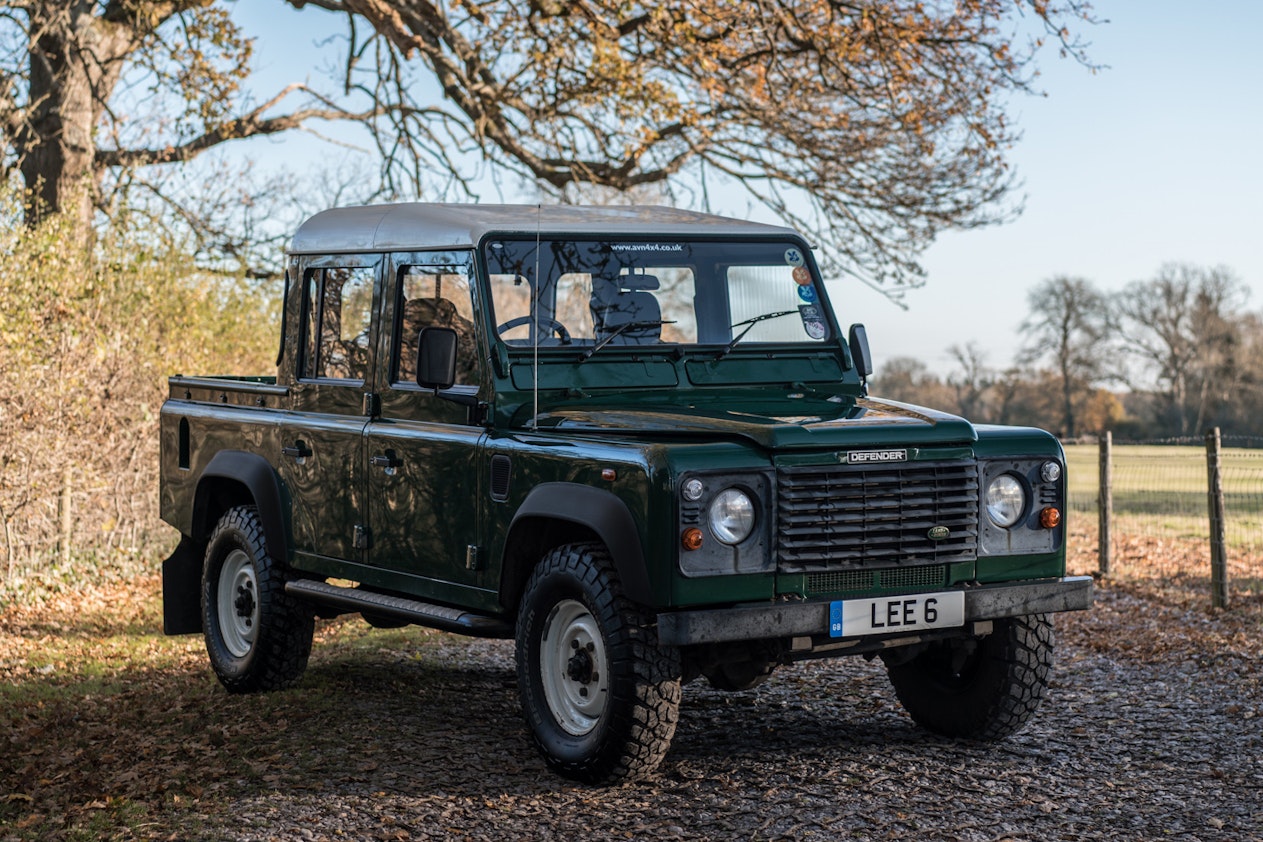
[
  {"x": 436, "y": 358},
  {"x": 859, "y": 350}
]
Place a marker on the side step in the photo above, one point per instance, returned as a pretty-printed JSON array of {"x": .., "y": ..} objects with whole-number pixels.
[{"x": 399, "y": 608}]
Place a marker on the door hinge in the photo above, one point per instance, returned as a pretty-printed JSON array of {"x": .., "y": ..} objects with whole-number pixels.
[
  {"x": 363, "y": 539},
  {"x": 473, "y": 557},
  {"x": 372, "y": 404}
]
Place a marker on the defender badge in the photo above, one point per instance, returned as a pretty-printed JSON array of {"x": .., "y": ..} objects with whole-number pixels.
[
  {"x": 938, "y": 533},
  {"x": 859, "y": 457}
]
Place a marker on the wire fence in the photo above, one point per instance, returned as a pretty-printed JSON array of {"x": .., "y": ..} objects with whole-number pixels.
[{"x": 1160, "y": 526}]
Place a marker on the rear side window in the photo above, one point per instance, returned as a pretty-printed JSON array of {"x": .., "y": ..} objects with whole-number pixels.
[{"x": 338, "y": 312}]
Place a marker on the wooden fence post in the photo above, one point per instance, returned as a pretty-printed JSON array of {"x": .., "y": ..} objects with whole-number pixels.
[
  {"x": 1105, "y": 503},
  {"x": 1218, "y": 530}
]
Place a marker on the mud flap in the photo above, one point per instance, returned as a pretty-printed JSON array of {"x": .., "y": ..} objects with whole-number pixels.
[{"x": 181, "y": 589}]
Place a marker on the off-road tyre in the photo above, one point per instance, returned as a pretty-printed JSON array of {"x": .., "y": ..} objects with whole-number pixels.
[
  {"x": 257, "y": 636},
  {"x": 988, "y": 693},
  {"x": 601, "y": 697}
]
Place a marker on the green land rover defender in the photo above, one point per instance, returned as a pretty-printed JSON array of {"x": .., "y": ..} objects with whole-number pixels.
[{"x": 634, "y": 439}]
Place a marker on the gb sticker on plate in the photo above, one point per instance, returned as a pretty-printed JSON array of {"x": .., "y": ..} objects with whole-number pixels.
[{"x": 887, "y": 614}]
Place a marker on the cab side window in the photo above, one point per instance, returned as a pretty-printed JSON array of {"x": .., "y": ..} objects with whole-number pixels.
[
  {"x": 338, "y": 311},
  {"x": 434, "y": 296}
]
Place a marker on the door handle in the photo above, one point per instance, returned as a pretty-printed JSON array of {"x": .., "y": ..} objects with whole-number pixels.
[
  {"x": 299, "y": 450},
  {"x": 387, "y": 460}
]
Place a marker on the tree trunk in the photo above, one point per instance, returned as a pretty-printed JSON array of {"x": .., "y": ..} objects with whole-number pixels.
[
  {"x": 1067, "y": 407},
  {"x": 75, "y": 61}
]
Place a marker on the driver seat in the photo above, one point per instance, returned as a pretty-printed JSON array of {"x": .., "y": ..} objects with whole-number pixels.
[{"x": 617, "y": 301}]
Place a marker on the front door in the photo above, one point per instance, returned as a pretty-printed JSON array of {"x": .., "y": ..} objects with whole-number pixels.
[{"x": 423, "y": 451}]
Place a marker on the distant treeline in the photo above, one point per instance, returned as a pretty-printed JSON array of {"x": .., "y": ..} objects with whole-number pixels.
[{"x": 1165, "y": 357}]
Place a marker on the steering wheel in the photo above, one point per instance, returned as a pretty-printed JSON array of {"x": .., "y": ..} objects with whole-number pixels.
[{"x": 544, "y": 322}]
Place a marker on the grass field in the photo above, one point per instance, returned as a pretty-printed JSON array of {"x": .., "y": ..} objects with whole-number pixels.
[
  {"x": 1161, "y": 525},
  {"x": 1162, "y": 491}
]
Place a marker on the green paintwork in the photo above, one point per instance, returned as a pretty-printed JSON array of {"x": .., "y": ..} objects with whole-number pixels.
[
  {"x": 629, "y": 421},
  {"x": 1018, "y": 441},
  {"x": 1004, "y": 569}
]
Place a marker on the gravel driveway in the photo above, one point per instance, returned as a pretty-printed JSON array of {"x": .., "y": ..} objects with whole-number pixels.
[{"x": 1149, "y": 731}]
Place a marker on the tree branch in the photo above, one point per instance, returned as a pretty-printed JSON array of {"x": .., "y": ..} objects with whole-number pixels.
[{"x": 249, "y": 125}]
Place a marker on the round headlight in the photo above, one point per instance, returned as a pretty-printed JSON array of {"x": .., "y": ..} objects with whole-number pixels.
[
  {"x": 1050, "y": 472},
  {"x": 731, "y": 516},
  {"x": 693, "y": 489},
  {"x": 1006, "y": 499}
]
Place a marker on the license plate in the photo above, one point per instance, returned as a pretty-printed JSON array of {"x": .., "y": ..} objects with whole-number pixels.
[{"x": 886, "y": 614}]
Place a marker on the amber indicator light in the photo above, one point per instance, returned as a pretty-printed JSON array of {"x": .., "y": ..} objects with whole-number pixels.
[
  {"x": 609, "y": 474},
  {"x": 1050, "y": 518},
  {"x": 692, "y": 538}
]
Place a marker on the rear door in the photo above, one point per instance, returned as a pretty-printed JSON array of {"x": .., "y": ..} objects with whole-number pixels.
[{"x": 322, "y": 459}]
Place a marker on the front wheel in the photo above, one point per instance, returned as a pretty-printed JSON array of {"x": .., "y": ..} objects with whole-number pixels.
[
  {"x": 257, "y": 636},
  {"x": 600, "y": 695},
  {"x": 985, "y": 688}
]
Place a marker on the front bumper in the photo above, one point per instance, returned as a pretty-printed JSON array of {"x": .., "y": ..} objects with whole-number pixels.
[{"x": 808, "y": 619}]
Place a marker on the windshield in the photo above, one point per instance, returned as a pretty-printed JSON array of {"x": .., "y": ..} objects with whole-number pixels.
[{"x": 596, "y": 293}]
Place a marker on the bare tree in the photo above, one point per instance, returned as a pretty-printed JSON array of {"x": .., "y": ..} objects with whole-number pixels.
[
  {"x": 972, "y": 380},
  {"x": 1241, "y": 395},
  {"x": 1067, "y": 329},
  {"x": 1185, "y": 328},
  {"x": 908, "y": 380},
  {"x": 873, "y": 125}
]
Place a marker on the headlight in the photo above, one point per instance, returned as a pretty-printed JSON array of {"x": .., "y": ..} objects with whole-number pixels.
[
  {"x": 731, "y": 516},
  {"x": 1006, "y": 500}
]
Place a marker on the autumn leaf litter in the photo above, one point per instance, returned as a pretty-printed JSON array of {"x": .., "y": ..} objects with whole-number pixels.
[{"x": 1150, "y": 729}]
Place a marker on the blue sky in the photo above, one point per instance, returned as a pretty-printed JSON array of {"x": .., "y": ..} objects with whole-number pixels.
[{"x": 1155, "y": 158}]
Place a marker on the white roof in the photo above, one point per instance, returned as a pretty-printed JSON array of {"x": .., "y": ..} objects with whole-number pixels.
[{"x": 418, "y": 226}]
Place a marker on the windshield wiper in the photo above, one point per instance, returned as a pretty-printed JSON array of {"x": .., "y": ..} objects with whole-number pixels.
[
  {"x": 749, "y": 325},
  {"x": 614, "y": 334}
]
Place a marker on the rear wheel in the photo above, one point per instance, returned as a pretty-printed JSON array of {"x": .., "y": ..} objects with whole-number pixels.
[
  {"x": 980, "y": 688},
  {"x": 257, "y": 636},
  {"x": 600, "y": 695}
]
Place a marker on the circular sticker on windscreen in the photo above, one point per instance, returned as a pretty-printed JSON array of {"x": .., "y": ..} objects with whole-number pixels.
[
  {"x": 807, "y": 293},
  {"x": 815, "y": 329},
  {"x": 801, "y": 276},
  {"x": 794, "y": 257}
]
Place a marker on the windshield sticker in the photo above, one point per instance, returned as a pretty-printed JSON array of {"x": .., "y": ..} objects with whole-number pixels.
[
  {"x": 647, "y": 246},
  {"x": 801, "y": 276},
  {"x": 794, "y": 257},
  {"x": 813, "y": 321},
  {"x": 807, "y": 293}
]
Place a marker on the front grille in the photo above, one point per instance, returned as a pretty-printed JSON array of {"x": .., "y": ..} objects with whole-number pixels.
[
  {"x": 854, "y": 581},
  {"x": 838, "y": 517}
]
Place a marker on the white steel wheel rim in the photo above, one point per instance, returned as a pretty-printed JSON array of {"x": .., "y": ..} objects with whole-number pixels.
[
  {"x": 238, "y": 604},
  {"x": 574, "y": 670}
]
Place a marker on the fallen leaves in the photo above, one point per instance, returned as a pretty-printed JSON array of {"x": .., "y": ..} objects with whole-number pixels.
[{"x": 413, "y": 734}]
